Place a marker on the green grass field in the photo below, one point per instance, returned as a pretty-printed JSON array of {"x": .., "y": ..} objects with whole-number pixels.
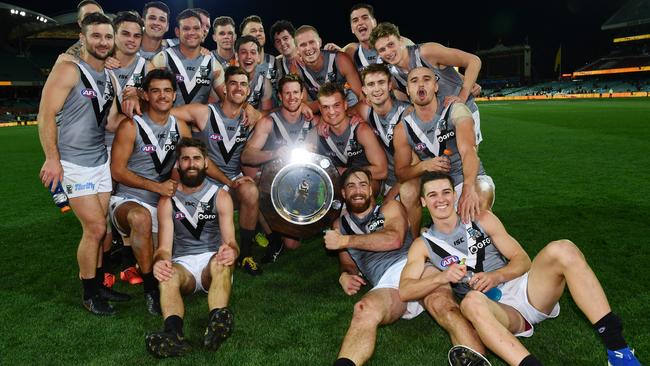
[{"x": 563, "y": 169}]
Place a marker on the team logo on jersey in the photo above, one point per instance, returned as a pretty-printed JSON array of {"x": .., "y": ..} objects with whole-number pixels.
[
  {"x": 420, "y": 146},
  {"x": 448, "y": 260},
  {"x": 204, "y": 212},
  {"x": 137, "y": 80},
  {"x": 272, "y": 74},
  {"x": 355, "y": 149},
  {"x": 331, "y": 76},
  {"x": 89, "y": 93},
  {"x": 216, "y": 137},
  {"x": 180, "y": 78},
  {"x": 148, "y": 149},
  {"x": 179, "y": 216},
  {"x": 204, "y": 72}
]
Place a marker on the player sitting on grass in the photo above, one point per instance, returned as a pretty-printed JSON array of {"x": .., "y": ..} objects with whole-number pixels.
[{"x": 479, "y": 256}]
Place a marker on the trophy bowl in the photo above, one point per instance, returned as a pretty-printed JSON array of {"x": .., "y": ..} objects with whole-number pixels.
[{"x": 300, "y": 195}]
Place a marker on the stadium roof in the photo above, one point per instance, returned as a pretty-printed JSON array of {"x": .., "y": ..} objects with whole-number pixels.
[
  {"x": 16, "y": 21},
  {"x": 633, "y": 13}
]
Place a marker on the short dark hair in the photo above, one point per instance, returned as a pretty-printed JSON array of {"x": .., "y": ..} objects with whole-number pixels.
[
  {"x": 353, "y": 170},
  {"x": 127, "y": 16},
  {"x": 374, "y": 68},
  {"x": 186, "y": 14},
  {"x": 159, "y": 74},
  {"x": 202, "y": 12},
  {"x": 290, "y": 78},
  {"x": 157, "y": 5},
  {"x": 234, "y": 70},
  {"x": 223, "y": 21},
  {"x": 94, "y": 19},
  {"x": 83, "y": 3},
  {"x": 246, "y": 39},
  {"x": 185, "y": 142},
  {"x": 330, "y": 88},
  {"x": 370, "y": 8},
  {"x": 282, "y": 25},
  {"x": 249, "y": 19},
  {"x": 384, "y": 29},
  {"x": 431, "y": 176}
]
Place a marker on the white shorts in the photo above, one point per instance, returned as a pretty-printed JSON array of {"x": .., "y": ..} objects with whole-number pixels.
[
  {"x": 514, "y": 293},
  {"x": 390, "y": 279},
  {"x": 477, "y": 126},
  {"x": 83, "y": 181},
  {"x": 117, "y": 201},
  {"x": 195, "y": 264},
  {"x": 484, "y": 181}
]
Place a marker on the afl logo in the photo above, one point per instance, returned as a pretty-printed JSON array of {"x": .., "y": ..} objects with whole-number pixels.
[
  {"x": 446, "y": 261},
  {"x": 179, "y": 215},
  {"x": 420, "y": 146},
  {"x": 216, "y": 137},
  {"x": 148, "y": 148},
  {"x": 180, "y": 78},
  {"x": 89, "y": 93}
]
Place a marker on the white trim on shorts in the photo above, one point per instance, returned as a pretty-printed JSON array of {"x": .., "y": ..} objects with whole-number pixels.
[
  {"x": 514, "y": 293},
  {"x": 390, "y": 279},
  {"x": 195, "y": 264},
  {"x": 117, "y": 201},
  {"x": 480, "y": 179},
  {"x": 81, "y": 181}
]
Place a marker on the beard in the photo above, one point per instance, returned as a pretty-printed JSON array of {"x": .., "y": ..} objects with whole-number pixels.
[
  {"x": 192, "y": 181},
  {"x": 357, "y": 207},
  {"x": 96, "y": 55}
]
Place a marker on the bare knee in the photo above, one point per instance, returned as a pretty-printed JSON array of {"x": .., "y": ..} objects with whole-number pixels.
[
  {"x": 474, "y": 306},
  {"x": 409, "y": 194},
  {"x": 139, "y": 219},
  {"x": 218, "y": 269},
  {"x": 563, "y": 252},
  {"x": 365, "y": 313},
  {"x": 247, "y": 193},
  {"x": 442, "y": 308},
  {"x": 172, "y": 284},
  {"x": 95, "y": 230}
]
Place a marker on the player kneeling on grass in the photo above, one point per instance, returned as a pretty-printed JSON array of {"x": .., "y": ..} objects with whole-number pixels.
[
  {"x": 197, "y": 251},
  {"x": 504, "y": 295}
]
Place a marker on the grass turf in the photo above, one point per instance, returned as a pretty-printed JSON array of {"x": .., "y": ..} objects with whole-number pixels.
[{"x": 563, "y": 169}]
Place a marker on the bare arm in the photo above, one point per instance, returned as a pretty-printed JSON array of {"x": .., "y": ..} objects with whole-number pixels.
[
  {"x": 391, "y": 237},
  {"x": 266, "y": 104},
  {"x": 374, "y": 151},
  {"x": 194, "y": 114},
  {"x": 440, "y": 55},
  {"x": 253, "y": 153},
  {"x": 468, "y": 203},
  {"x": 227, "y": 227},
  {"x": 218, "y": 85},
  {"x": 407, "y": 163},
  {"x": 162, "y": 268},
  {"x": 62, "y": 79},
  {"x": 414, "y": 284},
  {"x": 346, "y": 67}
]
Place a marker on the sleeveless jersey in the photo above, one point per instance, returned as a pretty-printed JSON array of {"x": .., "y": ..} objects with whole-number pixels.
[
  {"x": 224, "y": 62},
  {"x": 130, "y": 75},
  {"x": 257, "y": 86},
  {"x": 383, "y": 127},
  {"x": 267, "y": 66},
  {"x": 430, "y": 139},
  {"x": 82, "y": 120},
  {"x": 344, "y": 150},
  {"x": 153, "y": 156},
  {"x": 372, "y": 264},
  {"x": 196, "y": 222},
  {"x": 449, "y": 80},
  {"x": 287, "y": 134},
  {"x": 466, "y": 241},
  {"x": 314, "y": 79},
  {"x": 364, "y": 57},
  {"x": 225, "y": 138},
  {"x": 195, "y": 77}
]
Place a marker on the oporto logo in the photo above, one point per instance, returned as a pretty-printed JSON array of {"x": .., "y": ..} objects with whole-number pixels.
[
  {"x": 216, "y": 137},
  {"x": 148, "y": 148},
  {"x": 448, "y": 260},
  {"x": 89, "y": 93},
  {"x": 179, "y": 216}
]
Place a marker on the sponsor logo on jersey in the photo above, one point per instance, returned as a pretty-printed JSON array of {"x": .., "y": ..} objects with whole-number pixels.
[
  {"x": 89, "y": 93},
  {"x": 148, "y": 148},
  {"x": 241, "y": 139},
  {"x": 216, "y": 137},
  {"x": 207, "y": 216},
  {"x": 480, "y": 245},
  {"x": 459, "y": 241},
  {"x": 448, "y": 260},
  {"x": 446, "y": 135},
  {"x": 179, "y": 215},
  {"x": 202, "y": 81}
]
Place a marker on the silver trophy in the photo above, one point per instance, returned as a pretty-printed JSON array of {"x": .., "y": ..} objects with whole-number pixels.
[{"x": 300, "y": 194}]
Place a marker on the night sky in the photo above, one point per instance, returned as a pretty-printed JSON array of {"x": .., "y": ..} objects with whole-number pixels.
[{"x": 543, "y": 24}]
